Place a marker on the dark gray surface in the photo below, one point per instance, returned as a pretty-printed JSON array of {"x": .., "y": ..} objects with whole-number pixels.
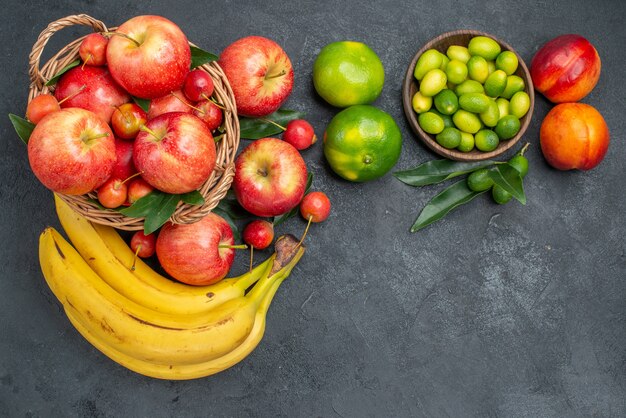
[{"x": 494, "y": 311}]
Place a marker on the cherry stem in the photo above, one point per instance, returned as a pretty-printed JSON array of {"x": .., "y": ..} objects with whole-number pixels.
[
  {"x": 131, "y": 177},
  {"x": 280, "y": 74},
  {"x": 85, "y": 63},
  {"x": 190, "y": 105},
  {"x": 123, "y": 35},
  {"x": 221, "y": 106},
  {"x": 523, "y": 150},
  {"x": 305, "y": 231},
  {"x": 233, "y": 247},
  {"x": 150, "y": 131},
  {"x": 274, "y": 123},
  {"x": 83, "y": 87},
  {"x": 132, "y": 268},
  {"x": 251, "y": 256}
]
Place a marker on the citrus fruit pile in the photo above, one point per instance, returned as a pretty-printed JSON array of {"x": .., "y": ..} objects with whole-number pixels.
[{"x": 470, "y": 97}]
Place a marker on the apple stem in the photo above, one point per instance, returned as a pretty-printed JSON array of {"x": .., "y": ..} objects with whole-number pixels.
[
  {"x": 150, "y": 131},
  {"x": 280, "y": 74},
  {"x": 83, "y": 87},
  {"x": 523, "y": 150},
  {"x": 123, "y": 35},
  {"x": 233, "y": 247},
  {"x": 102, "y": 135},
  {"x": 132, "y": 268},
  {"x": 221, "y": 106},
  {"x": 190, "y": 105},
  {"x": 305, "y": 231},
  {"x": 274, "y": 123}
]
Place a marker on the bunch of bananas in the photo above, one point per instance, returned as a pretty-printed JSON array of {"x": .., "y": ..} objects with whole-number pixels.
[{"x": 146, "y": 322}]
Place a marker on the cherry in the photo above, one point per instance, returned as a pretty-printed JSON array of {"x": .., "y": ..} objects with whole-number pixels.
[
  {"x": 93, "y": 50},
  {"x": 198, "y": 85},
  {"x": 138, "y": 188},
  {"x": 40, "y": 106},
  {"x": 143, "y": 245},
  {"x": 300, "y": 134},
  {"x": 127, "y": 119},
  {"x": 258, "y": 234},
  {"x": 112, "y": 193},
  {"x": 210, "y": 113},
  {"x": 315, "y": 207}
]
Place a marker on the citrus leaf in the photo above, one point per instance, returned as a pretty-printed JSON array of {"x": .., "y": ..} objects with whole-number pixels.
[
  {"x": 510, "y": 180},
  {"x": 144, "y": 206},
  {"x": 63, "y": 70},
  {"x": 22, "y": 126},
  {"x": 200, "y": 57},
  {"x": 443, "y": 203},
  {"x": 156, "y": 218},
  {"x": 436, "y": 171},
  {"x": 142, "y": 103},
  {"x": 282, "y": 218},
  {"x": 229, "y": 219},
  {"x": 257, "y": 128},
  {"x": 192, "y": 198}
]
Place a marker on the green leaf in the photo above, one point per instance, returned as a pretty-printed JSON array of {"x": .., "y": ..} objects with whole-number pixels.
[
  {"x": 231, "y": 206},
  {"x": 257, "y": 128},
  {"x": 229, "y": 219},
  {"x": 510, "y": 180},
  {"x": 142, "y": 207},
  {"x": 443, "y": 203},
  {"x": 192, "y": 198},
  {"x": 156, "y": 218},
  {"x": 63, "y": 70},
  {"x": 142, "y": 103},
  {"x": 282, "y": 218},
  {"x": 436, "y": 171},
  {"x": 22, "y": 126},
  {"x": 200, "y": 57}
]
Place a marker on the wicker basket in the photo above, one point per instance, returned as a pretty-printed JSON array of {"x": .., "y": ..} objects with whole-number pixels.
[{"x": 218, "y": 183}]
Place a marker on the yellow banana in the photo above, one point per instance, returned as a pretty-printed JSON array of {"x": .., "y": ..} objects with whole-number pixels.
[
  {"x": 188, "y": 371},
  {"x": 140, "y": 332},
  {"x": 111, "y": 258}
]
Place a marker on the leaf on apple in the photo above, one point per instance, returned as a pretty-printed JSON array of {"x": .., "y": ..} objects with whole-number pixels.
[
  {"x": 22, "y": 126},
  {"x": 63, "y": 70},
  {"x": 257, "y": 128},
  {"x": 282, "y": 218},
  {"x": 156, "y": 218},
  {"x": 142, "y": 103},
  {"x": 200, "y": 57}
]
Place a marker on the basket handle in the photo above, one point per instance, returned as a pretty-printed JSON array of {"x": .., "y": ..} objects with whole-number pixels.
[{"x": 33, "y": 59}]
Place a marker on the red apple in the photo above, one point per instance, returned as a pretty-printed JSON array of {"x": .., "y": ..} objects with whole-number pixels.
[
  {"x": 150, "y": 58},
  {"x": 124, "y": 166},
  {"x": 566, "y": 68},
  {"x": 90, "y": 88},
  {"x": 93, "y": 49},
  {"x": 172, "y": 102},
  {"x": 41, "y": 106},
  {"x": 574, "y": 135},
  {"x": 175, "y": 153},
  {"x": 191, "y": 254},
  {"x": 260, "y": 74},
  {"x": 72, "y": 151},
  {"x": 258, "y": 234},
  {"x": 270, "y": 177},
  {"x": 127, "y": 119}
]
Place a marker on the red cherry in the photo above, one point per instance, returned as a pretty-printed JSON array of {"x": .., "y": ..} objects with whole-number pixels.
[
  {"x": 300, "y": 134},
  {"x": 210, "y": 113},
  {"x": 127, "y": 119},
  {"x": 143, "y": 245},
  {"x": 258, "y": 234},
  {"x": 198, "y": 85},
  {"x": 93, "y": 50},
  {"x": 138, "y": 188},
  {"x": 315, "y": 206},
  {"x": 40, "y": 106},
  {"x": 112, "y": 193}
]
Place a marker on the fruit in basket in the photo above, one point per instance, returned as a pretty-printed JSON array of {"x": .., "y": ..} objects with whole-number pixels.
[
  {"x": 566, "y": 68},
  {"x": 258, "y": 234},
  {"x": 138, "y": 188},
  {"x": 41, "y": 106},
  {"x": 198, "y": 85},
  {"x": 197, "y": 253},
  {"x": 210, "y": 114},
  {"x": 574, "y": 136},
  {"x": 260, "y": 74},
  {"x": 91, "y": 88},
  {"x": 93, "y": 49},
  {"x": 348, "y": 73},
  {"x": 113, "y": 193},
  {"x": 315, "y": 207},
  {"x": 362, "y": 143},
  {"x": 124, "y": 166},
  {"x": 174, "y": 101},
  {"x": 175, "y": 152},
  {"x": 143, "y": 245},
  {"x": 149, "y": 56},
  {"x": 270, "y": 177},
  {"x": 127, "y": 119},
  {"x": 72, "y": 151},
  {"x": 300, "y": 134}
]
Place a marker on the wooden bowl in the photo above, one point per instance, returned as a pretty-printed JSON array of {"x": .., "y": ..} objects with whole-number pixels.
[{"x": 411, "y": 86}]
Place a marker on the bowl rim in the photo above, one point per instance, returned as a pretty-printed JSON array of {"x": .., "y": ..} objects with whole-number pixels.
[{"x": 427, "y": 139}]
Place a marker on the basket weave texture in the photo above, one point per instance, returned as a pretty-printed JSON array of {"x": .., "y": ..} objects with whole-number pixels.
[{"x": 215, "y": 187}]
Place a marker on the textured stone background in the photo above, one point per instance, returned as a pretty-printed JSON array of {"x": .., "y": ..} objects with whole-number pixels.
[{"x": 494, "y": 311}]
